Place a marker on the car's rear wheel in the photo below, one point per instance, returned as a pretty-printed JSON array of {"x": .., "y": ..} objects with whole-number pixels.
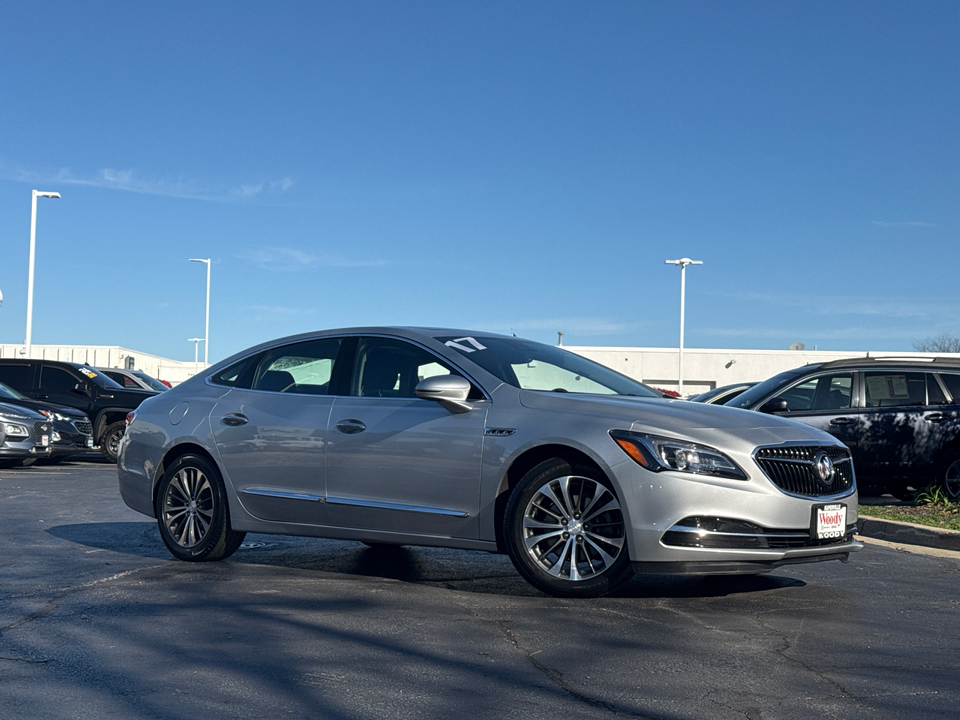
[
  {"x": 110, "y": 440},
  {"x": 948, "y": 474},
  {"x": 192, "y": 511},
  {"x": 565, "y": 532}
]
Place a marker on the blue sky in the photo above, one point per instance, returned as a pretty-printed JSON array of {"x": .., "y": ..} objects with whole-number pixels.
[{"x": 499, "y": 166}]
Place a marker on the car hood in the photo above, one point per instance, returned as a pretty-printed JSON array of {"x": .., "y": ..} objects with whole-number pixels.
[
  {"x": 38, "y": 405},
  {"x": 682, "y": 419},
  {"x": 18, "y": 412}
]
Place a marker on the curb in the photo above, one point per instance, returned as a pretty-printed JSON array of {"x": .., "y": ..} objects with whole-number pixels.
[{"x": 909, "y": 533}]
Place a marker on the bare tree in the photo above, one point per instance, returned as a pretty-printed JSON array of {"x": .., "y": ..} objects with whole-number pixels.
[{"x": 942, "y": 343}]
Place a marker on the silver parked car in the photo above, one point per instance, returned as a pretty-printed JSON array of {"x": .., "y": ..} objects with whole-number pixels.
[{"x": 413, "y": 436}]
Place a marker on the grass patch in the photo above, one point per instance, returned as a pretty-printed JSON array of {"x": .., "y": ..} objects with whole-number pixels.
[{"x": 941, "y": 516}]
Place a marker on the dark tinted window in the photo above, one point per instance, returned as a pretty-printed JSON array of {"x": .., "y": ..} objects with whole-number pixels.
[
  {"x": 952, "y": 381},
  {"x": 935, "y": 395},
  {"x": 895, "y": 388},
  {"x": 16, "y": 376},
  {"x": 122, "y": 379},
  {"x": 233, "y": 374},
  {"x": 305, "y": 367},
  {"x": 54, "y": 378},
  {"x": 823, "y": 392}
]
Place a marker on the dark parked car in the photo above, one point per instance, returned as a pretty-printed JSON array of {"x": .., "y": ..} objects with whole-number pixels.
[
  {"x": 415, "y": 436},
  {"x": 24, "y": 435},
  {"x": 80, "y": 387},
  {"x": 134, "y": 379},
  {"x": 723, "y": 394},
  {"x": 71, "y": 428},
  {"x": 899, "y": 417}
]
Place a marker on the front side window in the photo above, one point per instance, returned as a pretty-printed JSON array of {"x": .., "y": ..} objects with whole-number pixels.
[
  {"x": 392, "y": 368},
  {"x": 305, "y": 367},
  {"x": 57, "y": 380},
  {"x": 17, "y": 376},
  {"x": 823, "y": 392}
]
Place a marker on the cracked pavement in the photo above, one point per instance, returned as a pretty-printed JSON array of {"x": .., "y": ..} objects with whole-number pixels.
[{"x": 97, "y": 621}]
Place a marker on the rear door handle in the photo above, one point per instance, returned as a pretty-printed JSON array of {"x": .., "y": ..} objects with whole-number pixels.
[
  {"x": 234, "y": 419},
  {"x": 351, "y": 427},
  {"x": 841, "y": 421},
  {"x": 934, "y": 417}
]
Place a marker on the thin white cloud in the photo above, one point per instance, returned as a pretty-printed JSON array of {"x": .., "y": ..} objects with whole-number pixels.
[
  {"x": 283, "y": 259},
  {"x": 129, "y": 181},
  {"x": 908, "y": 223}
]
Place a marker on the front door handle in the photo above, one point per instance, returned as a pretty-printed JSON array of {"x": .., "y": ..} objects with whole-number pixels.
[
  {"x": 351, "y": 427},
  {"x": 234, "y": 419},
  {"x": 841, "y": 421},
  {"x": 934, "y": 417}
]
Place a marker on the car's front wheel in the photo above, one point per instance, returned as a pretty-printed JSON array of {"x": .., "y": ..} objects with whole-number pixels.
[
  {"x": 565, "y": 532},
  {"x": 110, "y": 440},
  {"x": 192, "y": 511}
]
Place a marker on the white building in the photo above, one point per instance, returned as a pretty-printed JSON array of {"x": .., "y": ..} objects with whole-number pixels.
[{"x": 173, "y": 371}]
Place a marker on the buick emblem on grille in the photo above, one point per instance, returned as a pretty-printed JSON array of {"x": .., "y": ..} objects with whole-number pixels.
[{"x": 825, "y": 469}]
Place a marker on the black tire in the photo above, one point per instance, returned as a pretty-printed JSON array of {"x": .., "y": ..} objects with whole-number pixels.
[
  {"x": 948, "y": 474},
  {"x": 192, "y": 512},
  {"x": 558, "y": 513},
  {"x": 110, "y": 440}
]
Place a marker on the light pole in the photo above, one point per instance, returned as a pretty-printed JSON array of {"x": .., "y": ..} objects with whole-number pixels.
[
  {"x": 33, "y": 253},
  {"x": 683, "y": 262},
  {"x": 196, "y": 353},
  {"x": 206, "y": 337}
]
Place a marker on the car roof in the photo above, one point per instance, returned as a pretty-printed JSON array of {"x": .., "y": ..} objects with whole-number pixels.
[{"x": 894, "y": 361}]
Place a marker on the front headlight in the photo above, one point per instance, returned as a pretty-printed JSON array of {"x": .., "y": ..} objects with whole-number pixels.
[
  {"x": 14, "y": 430},
  {"x": 60, "y": 417},
  {"x": 657, "y": 453}
]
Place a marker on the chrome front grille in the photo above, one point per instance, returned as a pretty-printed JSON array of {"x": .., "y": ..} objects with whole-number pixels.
[
  {"x": 83, "y": 426},
  {"x": 793, "y": 469}
]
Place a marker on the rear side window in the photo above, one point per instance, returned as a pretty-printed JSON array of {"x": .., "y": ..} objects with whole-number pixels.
[
  {"x": 951, "y": 380},
  {"x": 895, "y": 389},
  {"x": 16, "y": 376},
  {"x": 233, "y": 374},
  {"x": 305, "y": 368}
]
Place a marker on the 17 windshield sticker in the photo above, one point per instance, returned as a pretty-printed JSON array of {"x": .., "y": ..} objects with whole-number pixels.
[{"x": 456, "y": 344}]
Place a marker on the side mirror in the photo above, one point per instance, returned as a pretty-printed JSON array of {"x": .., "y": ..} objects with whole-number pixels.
[
  {"x": 82, "y": 388},
  {"x": 450, "y": 391},
  {"x": 777, "y": 405}
]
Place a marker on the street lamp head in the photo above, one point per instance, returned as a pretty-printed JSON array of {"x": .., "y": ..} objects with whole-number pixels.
[
  {"x": 203, "y": 260},
  {"x": 683, "y": 262},
  {"x": 39, "y": 193}
]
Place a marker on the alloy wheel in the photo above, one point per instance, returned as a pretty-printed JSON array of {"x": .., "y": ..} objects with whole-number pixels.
[
  {"x": 573, "y": 528},
  {"x": 188, "y": 507}
]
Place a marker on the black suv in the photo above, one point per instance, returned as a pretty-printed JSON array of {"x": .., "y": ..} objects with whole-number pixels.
[
  {"x": 899, "y": 417},
  {"x": 80, "y": 387}
]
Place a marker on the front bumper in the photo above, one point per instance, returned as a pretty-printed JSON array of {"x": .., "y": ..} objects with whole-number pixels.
[{"x": 680, "y": 523}]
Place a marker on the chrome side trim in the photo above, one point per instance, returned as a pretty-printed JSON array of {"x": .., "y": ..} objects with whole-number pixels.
[
  {"x": 267, "y": 492},
  {"x": 714, "y": 533},
  {"x": 394, "y": 506}
]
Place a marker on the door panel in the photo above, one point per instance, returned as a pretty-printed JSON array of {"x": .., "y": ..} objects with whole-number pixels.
[{"x": 404, "y": 465}]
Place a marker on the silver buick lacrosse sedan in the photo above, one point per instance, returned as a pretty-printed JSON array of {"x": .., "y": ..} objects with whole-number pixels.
[{"x": 419, "y": 436}]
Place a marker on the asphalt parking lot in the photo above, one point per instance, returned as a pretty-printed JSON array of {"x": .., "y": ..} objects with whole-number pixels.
[{"x": 98, "y": 621}]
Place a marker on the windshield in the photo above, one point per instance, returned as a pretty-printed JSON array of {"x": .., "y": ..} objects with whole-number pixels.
[
  {"x": 759, "y": 391},
  {"x": 98, "y": 377},
  {"x": 8, "y": 392},
  {"x": 151, "y": 381},
  {"x": 533, "y": 366}
]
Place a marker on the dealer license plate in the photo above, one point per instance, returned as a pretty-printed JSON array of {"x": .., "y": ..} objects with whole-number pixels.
[{"x": 829, "y": 521}]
